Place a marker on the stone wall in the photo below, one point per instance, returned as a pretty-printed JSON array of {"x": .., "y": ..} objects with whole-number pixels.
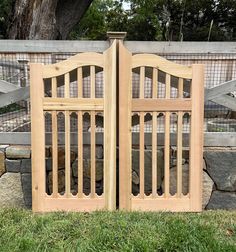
[{"x": 219, "y": 174}]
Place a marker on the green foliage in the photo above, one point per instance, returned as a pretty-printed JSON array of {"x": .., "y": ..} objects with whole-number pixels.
[
  {"x": 10, "y": 108},
  {"x": 160, "y": 20},
  {"x": 21, "y": 230},
  {"x": 5, "y": 9}
]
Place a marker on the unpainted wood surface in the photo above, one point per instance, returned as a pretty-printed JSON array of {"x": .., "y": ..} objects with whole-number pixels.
[{"x": 150, "y": 60}]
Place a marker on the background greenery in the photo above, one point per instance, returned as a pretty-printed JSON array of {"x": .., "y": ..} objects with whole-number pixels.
[
  {"x": 187, "y": 20},
  {"x": 178, "y": 20}
]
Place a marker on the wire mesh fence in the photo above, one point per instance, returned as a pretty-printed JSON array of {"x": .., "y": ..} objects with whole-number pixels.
[{"x": 14, "y": 68}]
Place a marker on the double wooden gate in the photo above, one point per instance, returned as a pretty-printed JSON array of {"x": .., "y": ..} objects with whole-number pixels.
[{"x": 101, "y": 108}]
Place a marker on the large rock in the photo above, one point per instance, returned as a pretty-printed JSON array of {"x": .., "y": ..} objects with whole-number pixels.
[
  {"x": 61, "y": 182},
  {"x": 222, "y": 200},
  {"x": 15, "y": 152},
  {"x": 27, "y": 189},
  {"x": 2, "y": 163},
  {"x": 173, "y": 180},
  {"x": 87, "y": 152},
  {"x": 12, "y": 165},
  {"x": 25, "y": 166},
  {"x": 207, "y": 186},
  {"x": 11, "y": 194},
  {"x": 87, "y": 168},
  {"x": 221, "y": 166},
  {"x": 147, "y": 170},
  {"x": 3, "y": 147},
  {"x": 206, "y": 180},
  {"x": 61, "y": 159}
]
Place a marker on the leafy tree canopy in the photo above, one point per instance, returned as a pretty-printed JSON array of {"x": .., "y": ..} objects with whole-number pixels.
[
  {"x": 178, "y": 20},
  {"x": 160, "y": 20}
]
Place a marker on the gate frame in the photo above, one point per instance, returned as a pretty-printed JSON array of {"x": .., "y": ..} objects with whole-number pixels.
[
  {"x": 41, "y": 202},
  {"x": 194, "y": 203}
]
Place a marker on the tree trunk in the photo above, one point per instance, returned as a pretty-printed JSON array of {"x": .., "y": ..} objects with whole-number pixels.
[{"x": 45, "y": 19}]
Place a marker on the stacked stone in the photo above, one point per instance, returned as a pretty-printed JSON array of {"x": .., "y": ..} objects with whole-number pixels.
[
  {"x": 15, "y": 177},
  {"x": 221, "y": 167},
  {"x": 74, "y": 170},
  {"x": 219, "y": 174}
]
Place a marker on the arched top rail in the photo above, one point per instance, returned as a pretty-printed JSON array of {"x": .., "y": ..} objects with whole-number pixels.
[
  {"x": 79, "y": 60},
  {"x": 169, "y": 67}
]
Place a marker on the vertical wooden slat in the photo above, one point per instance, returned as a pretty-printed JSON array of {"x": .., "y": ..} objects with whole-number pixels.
[
  {"x": 67, "y": 138},
  {"x": 54, "y": 154},
  {"x": 196, "y": 138},
  {"x": 154, "y": 83},
  {"x": 154, "y": 134},
  {"x": 167, "y": 86},
  {"x": 154, "y": 154},
  {"x": 179, "y": 153},
  {"x": 80, "y": 153},
  {"x": 167, "y": 141},
  {"x": 110, "y": 124},
  {"x": 54, "y": 87},
  {"x": 167, "y": 154},
  {"x": 80, "y": 82},
  {"x": 125, "y": 96},
  {"x": 37, "y": 137},
  {"x": 92, "y": 81},
  {"x": 93, "y": 144},
  {"x": 142, "y": 82},
  {"x": 67, "y": 85},
  {"x": 54, "y": 143},
  {"x": 67, "y": 153},
  {"x": 141, "y": 153},
  {"x": 180, "y": 88},
  {"x": 93, "y": 153}
]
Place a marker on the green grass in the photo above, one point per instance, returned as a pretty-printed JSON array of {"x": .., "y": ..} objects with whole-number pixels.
[{"x": 21, "y": 230}]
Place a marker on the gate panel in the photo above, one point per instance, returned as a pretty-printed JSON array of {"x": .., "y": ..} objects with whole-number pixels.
[
  {"x": 88, "y": 108},
  {"x": 140, "y": 107}
]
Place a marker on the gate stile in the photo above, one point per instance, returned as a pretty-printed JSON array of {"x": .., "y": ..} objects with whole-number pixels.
[
  {"x": 42, "y": 202},
  {"x": 156, "y": 106}
]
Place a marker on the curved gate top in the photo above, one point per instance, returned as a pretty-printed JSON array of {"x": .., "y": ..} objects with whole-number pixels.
[{"x": 145, "y": 113}]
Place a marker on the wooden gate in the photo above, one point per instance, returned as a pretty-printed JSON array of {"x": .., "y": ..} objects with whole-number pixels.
[
  {"x": 137, "y": 109},
  {"x": 45, "y": 83},
  {"x": 140, "y": 105}
]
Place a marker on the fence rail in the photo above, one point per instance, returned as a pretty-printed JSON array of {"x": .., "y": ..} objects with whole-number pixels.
[{"x": 219, "y": 57}]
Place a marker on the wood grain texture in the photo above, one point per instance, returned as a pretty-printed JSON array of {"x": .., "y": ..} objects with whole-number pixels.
[
  {"x": 93, "y": 153},
  {"x": 37, "y": 136},
  {"x": 161, "y": 105},
  {"x": 67, "y": 155},
  {"x": 150, "y": 60},
  {"x": 179, "y": 153},
  {"x": 196, "y": 138},
  {"x": 125, "y": 96},
  {"x": 80, "y": 153},
  {"x": 141, "y": 154},
  {"x": 80, "y": 82},
  {"x": 167, "y": 156},
  {"x": 79, "y": 60},
  {"x": 110, "y": 127},
  {"x": 154, "y": 154}
]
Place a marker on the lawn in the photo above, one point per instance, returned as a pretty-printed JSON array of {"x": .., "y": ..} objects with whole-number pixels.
[{"x": 21, "y": 230}]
